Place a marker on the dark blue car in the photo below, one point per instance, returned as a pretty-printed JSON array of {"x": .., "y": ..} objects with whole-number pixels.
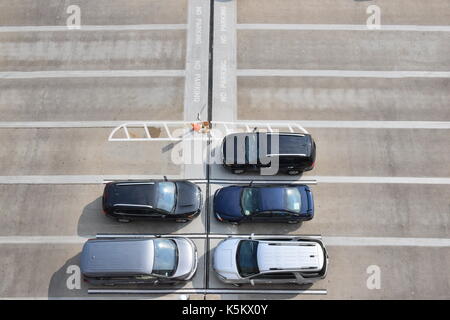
[{"x": 274, "y": 203}]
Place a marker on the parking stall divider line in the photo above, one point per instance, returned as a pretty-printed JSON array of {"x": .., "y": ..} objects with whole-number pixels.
[
  {"x": 90, "y": 74},
  {"x": 341, "y": 73},
  {"x": 341, "y": 27},
  {"x": 356, "y": 124},
  {"x": 209, "y": 291},
  {"x": 132, "y": 27}
]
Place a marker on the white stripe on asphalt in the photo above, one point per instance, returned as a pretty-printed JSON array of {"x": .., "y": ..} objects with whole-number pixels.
[
  {"x": 328, "y": 240},
  {"x": 341, "y": 27},
  {"x": 133, "y": 27},
  {"x": 90, "y": 74},
  {"x": 341, "y": 73},
  {"x": 99, "y": 179},
  {"x": 304, "y": 123},
  {"x": 381, "y": 242},
  {"x": 382, "y": 180},
  {"x": 77, "y": 179}
]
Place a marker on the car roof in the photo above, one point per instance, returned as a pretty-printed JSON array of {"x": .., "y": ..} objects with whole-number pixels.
[
  {"x": 291, "y": 144},
  {"x": 117, "y": 257},
  {"x": 135, "y": 193},
  {"x": 298, "y": 255}
]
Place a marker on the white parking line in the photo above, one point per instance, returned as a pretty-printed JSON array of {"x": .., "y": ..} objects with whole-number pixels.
[
  {"x": 382, "y": 242},
  {"x": 100, "y": 179},
  {"x": 341, "y": 27},
  {"x": 225, "y": 61},
  {"x": 328, "y": 240},
  {"x": 133, "y": 27},
  {"x": 77, "y": 179},
  {"x": 341, "y": 73},
  {"x": 91, "y": 74},
  {"x": 304, "y": 123},
  {"x": 382, "y": 180}
]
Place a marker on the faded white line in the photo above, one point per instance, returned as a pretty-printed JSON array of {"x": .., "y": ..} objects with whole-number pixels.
[
  {"x": 133, "y": 27},
  {"x": 380, "y": 180},
  {"x": 43, "y": 239},
  {"x": 76, "y": 179},
  {"x": 341, "y": 73},
  {"x": 99, "y": 179},
  {"x": 225, "y": 61},
  {"x": 341, "y": 27},
  {"x": 328, "y": 240},
  {"x": 382, "y": 242},
  {"x": 304, "y": 123},
  {"x": 91, "y": 74}
]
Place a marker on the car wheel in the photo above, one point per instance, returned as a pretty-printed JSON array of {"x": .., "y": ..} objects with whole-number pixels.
[
  {"x": 181, "y": 220},
  {"x": 293, "y": 221},
  {"x": 238, "y": 171},
  {"x": 293, "y": 172},
  {"x": 122, "y": 220}
]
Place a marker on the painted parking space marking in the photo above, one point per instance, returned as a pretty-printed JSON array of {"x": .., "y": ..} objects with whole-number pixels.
[
  {"x": 341, "y": 27},
  {"x": 134, "y": 27},
  {"x": 90, "y": 74},
  {"x": 341, "y": 73}
]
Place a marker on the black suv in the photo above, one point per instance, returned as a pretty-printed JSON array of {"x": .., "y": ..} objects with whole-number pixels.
[
  {"x": 161, "y": 200},
  {"x": 296, "y": 152}
]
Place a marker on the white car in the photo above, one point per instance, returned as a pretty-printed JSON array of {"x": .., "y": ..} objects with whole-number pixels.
[{"x": 269, "y": 259}]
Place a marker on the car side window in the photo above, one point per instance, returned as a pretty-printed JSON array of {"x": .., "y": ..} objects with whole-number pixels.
[
  {"x": 275, "y": 276},
  {"x": 281, "y": 214}
]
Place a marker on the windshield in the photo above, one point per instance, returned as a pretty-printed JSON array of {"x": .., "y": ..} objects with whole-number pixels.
[
  {"x": 293, "y": 200},
  {"x": 165, "y": 257},
  {"x": 246, "y": 258},
  {"x": 165, "y": 198},
  {"x": 250, "y": 200}
]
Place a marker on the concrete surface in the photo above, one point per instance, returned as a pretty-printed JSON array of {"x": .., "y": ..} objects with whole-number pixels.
[{"x": 376, "y": 211}]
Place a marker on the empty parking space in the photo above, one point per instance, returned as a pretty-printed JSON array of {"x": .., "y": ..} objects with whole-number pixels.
[
  {"x": 79, "y": 151},
  {"x": 343, "y": 50},
  {"x": 381, "y": 152},
  {"x": 100, "y": 12},
  {"x": 75, "y": 100},
  {"x": 343, "y": 99},
  {"x": 412, "y": 12},
  {"x": 78, "y": 50}
]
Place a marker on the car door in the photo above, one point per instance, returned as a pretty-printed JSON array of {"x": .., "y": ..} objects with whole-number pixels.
[
  {"x": 282, "y": 216},
  {"x": 261, "y": 216}
]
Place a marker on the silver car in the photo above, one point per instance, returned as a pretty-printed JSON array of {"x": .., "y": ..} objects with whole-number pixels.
[
  {"x": 153, "y": 260},
  {"x": 270, "y": 260}
]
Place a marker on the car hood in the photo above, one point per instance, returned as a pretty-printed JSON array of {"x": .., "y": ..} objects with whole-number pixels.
[
  {"x": 187, "y": 259},
  {"x": 188, "y": 197},
  {"x": 224, "y": 259},
  {"x": 227, "y": 202}
]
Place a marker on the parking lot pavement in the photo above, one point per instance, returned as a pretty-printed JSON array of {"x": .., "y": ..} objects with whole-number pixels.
[
  {"x": 79, "y": 151},
  {"x": 378, "y": 152},
  {"x": 100, "y": 12},
  {"x": 98, "y": 50},
  {"x": 406, "y": 99},
  {"x": 44, "y": 270},
  {"x": 405, "y": 273},
  {"x": 72, "y": 99},
  {"x": 343, "y": 50},
  {"x": 412, "y": 12},
  {"x": 380, "y": 211},
  {"x": 67, "y": 210}
]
